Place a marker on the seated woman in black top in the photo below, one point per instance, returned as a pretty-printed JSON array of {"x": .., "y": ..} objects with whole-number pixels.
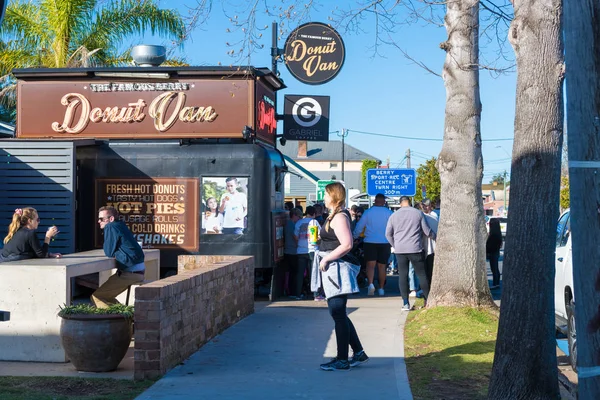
[{"x": 21, "y": 242}]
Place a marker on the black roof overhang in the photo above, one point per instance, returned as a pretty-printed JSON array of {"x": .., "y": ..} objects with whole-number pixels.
[{"x": 169, "y": 72}]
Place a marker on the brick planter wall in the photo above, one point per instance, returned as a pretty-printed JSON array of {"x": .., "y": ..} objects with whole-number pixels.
[{"x": 175, "y": 316}]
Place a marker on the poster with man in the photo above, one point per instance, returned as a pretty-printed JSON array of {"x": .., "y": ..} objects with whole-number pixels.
[{"x": 224, "y": 205}]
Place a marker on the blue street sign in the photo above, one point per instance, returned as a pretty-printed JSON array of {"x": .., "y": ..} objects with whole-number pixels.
[{"x": 392, "y": 182}]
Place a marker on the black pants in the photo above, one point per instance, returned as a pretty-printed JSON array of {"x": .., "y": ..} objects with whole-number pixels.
[
  {"x": 345, "y": 333},
  {"x": 418, "y": 262},
  {"x": 494, "y": 267},
  {"x": 429, "y": 268},
  {"x": 297, "y": 276},
  {"x": 291, "y": 265}
]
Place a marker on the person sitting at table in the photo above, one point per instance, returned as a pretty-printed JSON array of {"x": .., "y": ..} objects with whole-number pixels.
[
  {"x": 21, "y": 243},
  {"x": 129, "y": 257}
]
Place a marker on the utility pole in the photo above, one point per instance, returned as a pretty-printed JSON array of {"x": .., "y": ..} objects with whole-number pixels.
[
  {"x": 407, "y": 158},
  {"x": 582, "y": 43},
  {"x": 344, "y": 134},
  {"x": 504, "y": 185}
]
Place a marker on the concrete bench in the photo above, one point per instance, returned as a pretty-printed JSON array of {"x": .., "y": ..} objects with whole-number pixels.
[{"x": 33, "y": 291}]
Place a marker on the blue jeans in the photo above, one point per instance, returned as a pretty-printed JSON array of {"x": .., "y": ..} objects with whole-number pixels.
[
  {"x": 233, "y": 231},
  {"x": 413, "y": 279},
  {"x": 393, "y": 263},
  {"x": 345, "y": 333}
]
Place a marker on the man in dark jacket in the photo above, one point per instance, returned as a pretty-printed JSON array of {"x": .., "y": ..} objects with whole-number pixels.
[{"x": 120, "y": 244}]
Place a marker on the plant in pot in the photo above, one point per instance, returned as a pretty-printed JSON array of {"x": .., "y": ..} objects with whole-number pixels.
[{"x": 96, "y": 339}]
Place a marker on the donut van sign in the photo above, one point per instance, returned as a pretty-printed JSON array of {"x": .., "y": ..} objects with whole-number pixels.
[
  {"x": 124, "y": 109},
  {"x": 314, "y": 53}
]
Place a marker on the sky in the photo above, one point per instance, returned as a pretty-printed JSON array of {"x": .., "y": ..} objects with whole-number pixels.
[{"x": 381, "y": 94}]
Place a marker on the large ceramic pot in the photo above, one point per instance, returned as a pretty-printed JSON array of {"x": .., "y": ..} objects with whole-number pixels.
[{"x": 96, "y": 342}]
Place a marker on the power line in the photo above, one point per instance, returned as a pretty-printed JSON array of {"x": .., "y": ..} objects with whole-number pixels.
[{"x": 420, "y": 138}]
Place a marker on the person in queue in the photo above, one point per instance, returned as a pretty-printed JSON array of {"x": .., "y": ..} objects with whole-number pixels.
[
  {"x": 405, "y": 230},
  {"x": 376, "y": 247},
  {"x": 493, "y": 245},
  {"x": 119, "y": 243},
  {"x": 337, "y": 277},
  {"x": 21, "y": 243}
]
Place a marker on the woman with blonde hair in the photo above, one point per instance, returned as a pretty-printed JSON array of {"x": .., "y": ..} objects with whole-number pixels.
[
  {"x": 335, "y": 271},
  {"x": 21, "y": 242}
]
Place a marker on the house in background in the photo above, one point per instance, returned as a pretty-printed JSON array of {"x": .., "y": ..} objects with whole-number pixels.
[
  {"x": 493, "y": 199},
  {"x": 322, "y": 160}
]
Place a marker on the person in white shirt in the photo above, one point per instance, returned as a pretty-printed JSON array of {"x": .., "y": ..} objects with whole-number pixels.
[
  {"x": 429, "y": 243},
  {"x": 305, "y": 252},
  {"x": 376, "y": 246},
  {"x": 234, "y": 206}
]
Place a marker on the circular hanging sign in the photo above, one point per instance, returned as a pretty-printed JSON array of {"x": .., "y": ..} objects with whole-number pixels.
[{"x": 314, "y": 53}]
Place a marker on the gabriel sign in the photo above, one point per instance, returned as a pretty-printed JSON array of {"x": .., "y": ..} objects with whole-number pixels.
[{"x": 314, "y": 53}]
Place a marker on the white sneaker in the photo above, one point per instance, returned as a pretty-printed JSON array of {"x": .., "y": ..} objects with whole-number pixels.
[
  {"x": 406, "y": 307},
  {"x": 381, "y": 292},
  {"x": 412, "y": 293},
  {"x": 371, "y": 290}
]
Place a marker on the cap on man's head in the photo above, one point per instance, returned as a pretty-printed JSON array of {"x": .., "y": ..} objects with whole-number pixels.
[{"x": 426, "y": 202}]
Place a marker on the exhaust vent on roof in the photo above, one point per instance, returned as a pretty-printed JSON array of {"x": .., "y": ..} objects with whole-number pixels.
[{"x": 148, "y": 55}]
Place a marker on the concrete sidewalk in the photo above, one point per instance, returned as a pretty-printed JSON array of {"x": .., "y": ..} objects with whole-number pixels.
[{"x": 275, "y": 354}]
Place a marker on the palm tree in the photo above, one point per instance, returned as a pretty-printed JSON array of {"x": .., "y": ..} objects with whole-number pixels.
[{"x": 75, "y": 33}]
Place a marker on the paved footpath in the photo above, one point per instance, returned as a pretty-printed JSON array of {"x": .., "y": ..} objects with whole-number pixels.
[{"x": 275, "y": 354}]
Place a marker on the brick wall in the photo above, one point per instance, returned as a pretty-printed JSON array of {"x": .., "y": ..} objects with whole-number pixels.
[{"x": 175, "y": 316}]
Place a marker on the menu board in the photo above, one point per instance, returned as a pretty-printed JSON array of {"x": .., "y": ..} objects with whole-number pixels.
[{"x": 161, "y": 213}]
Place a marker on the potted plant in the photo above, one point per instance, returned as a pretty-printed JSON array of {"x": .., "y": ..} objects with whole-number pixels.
[{"x": 96, "y": 339}]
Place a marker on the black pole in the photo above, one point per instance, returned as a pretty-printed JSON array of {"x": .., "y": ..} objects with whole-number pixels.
[{"x": 274, "y": 49}]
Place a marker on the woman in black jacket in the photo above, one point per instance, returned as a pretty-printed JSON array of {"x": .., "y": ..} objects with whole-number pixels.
[
  {"x": 492, "y": 248},
  {"x": 21, "y": 242}
]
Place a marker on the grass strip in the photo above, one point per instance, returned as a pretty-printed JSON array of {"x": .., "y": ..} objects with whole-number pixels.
[
  {"x": 449, "y": 352},
  {"x": 64, "y": 388}
]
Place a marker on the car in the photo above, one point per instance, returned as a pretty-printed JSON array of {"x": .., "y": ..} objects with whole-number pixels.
[{"x": 564, "y": 297}]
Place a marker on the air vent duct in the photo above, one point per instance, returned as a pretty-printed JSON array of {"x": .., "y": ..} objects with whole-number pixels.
[{"x": 148, "y": 55}]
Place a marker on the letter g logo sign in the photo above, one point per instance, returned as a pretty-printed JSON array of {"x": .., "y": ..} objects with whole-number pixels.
[{"x": 306, "y": 112}]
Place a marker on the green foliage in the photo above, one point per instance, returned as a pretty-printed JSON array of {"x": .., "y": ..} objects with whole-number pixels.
[
  {"x": 211, "y": 189},
  {"x": 77, "y": 33},
  {"x": 88, "y": 309},
  {"x": 565, "y": 199},
  {"x": 498, "y": 178},
  {"x": 367, "y": 165},
  {"x": 428, "y": 175}
]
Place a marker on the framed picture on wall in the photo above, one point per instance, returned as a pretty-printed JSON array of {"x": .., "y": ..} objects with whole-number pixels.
[{"x": 224, "y": 205}]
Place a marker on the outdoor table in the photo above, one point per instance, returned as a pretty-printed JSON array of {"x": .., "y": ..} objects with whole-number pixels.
[{"x": 33, "y": 290}]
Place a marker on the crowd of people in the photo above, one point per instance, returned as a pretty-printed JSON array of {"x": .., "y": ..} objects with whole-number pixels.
[{"x": 383, "y": 241}]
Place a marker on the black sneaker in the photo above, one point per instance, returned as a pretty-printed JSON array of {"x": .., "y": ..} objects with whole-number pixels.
[
  {"x": 359, "y": 358},
  {"x": 335, "y": 365}
]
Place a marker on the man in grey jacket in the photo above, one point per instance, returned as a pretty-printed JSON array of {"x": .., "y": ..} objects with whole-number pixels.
[{"x": 404, "y": 231}]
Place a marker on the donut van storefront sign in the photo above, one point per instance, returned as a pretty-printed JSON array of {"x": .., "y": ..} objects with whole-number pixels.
[
  {"x": 188, "y": 108},
  {"x": 314, "y": 53}
]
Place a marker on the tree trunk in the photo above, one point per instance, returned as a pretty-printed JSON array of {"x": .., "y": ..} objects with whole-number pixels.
[
  {"x": 525, "y": 359},
  {"x": 582, "y": 42},
  {"x": 460, "y": 270}
]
